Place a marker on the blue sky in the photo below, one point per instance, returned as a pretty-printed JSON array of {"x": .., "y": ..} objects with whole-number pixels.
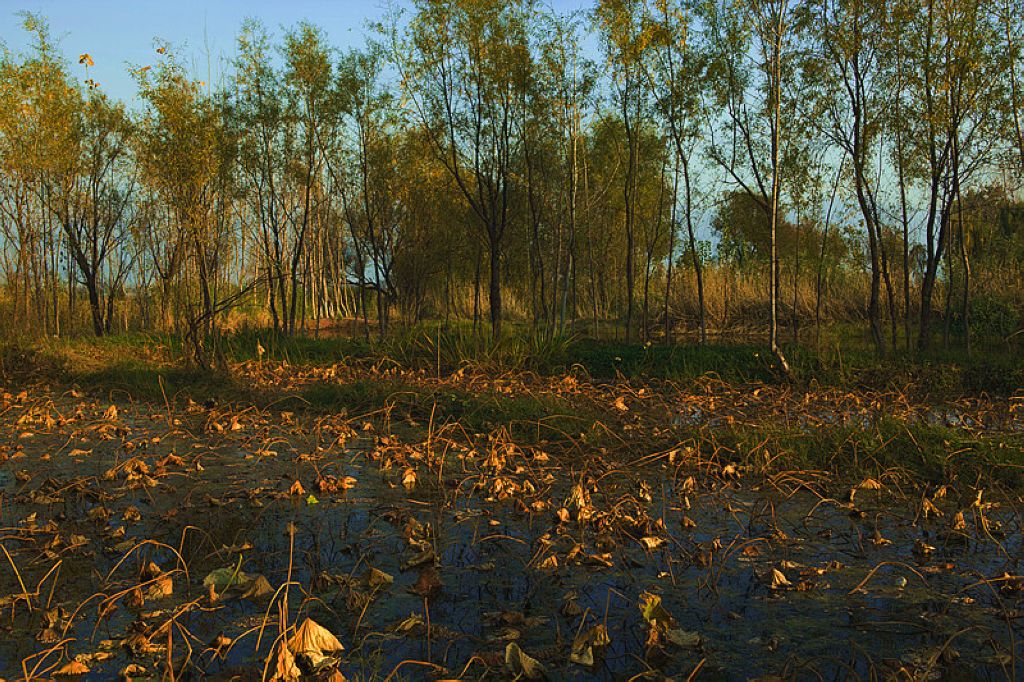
[{"x": 121, "y": 32}]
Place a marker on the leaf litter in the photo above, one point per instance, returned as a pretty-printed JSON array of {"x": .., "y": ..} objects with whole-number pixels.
[{"x": 137, "y": 543}]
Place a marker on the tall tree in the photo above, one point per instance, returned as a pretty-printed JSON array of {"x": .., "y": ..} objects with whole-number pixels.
[
  {"x": 308, "y": 79},
  {"x": 623, "y": 26},
  {"x": 461, "y": 63},
  {"x": 751, "y": 42},
  {"x": 951, "y": 74},
  {"x": 186, "y": 151},
  {"x": 846, "y": 67},
  {"x": 677, "y": 80}
]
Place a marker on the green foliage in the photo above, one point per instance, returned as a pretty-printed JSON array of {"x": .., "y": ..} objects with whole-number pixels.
[{"x": 994, "y": 317}]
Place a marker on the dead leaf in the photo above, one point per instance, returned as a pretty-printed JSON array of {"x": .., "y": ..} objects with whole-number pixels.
[
  {"x": 224, "y": 578},
  {"x": 663, "y": 625},
  {"x": 652, "y": 543},
  {"x": 779, "y": 580},
  {"x": 259, "y": 587},
  {"x": 72, "y": 668},
  {"x": 162, "y": 587},
  {"x": 424, "y": 557},
  {"x": 922, "y": 548},
  {"x": 315, "y": 641},
  {"x": 285, "y": 669},
  {"x": 928, "y": 508},
  {"x": 549, "y": 564},
  {"x": 411, "y": 624},
  {"x": 521, "y": 664},
  {"x": 377, "y": 578},
  {"x": 583, "y": 646},
  {"x": 429, "y": 582},
  {"x": 409, "y": 478}
]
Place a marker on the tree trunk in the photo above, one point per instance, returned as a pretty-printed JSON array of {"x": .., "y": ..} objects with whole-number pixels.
[
  {"x": 494, "y": 291},
  {"x": 773, "y": 330}
]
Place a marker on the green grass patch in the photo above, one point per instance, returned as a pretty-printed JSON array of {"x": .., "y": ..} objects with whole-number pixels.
[
  {"x": 604, "y": 361},
  {"x": 939, "y": 373},
  {"x": 528, "y": 418},
  {"x": 929, "y": 453},
  {"x": 145, "y": 382},
  {"x": 298, "y": 349}
]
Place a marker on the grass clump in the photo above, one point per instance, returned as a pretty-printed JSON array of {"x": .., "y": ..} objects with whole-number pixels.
[
  {"x": 528, "y": 418},
  {"x": 929, "y": 453},
  {"x": 155, "y": 384}
]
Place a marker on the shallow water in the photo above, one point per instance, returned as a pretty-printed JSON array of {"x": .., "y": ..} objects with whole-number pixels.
[{"x": 931, "y": 613}]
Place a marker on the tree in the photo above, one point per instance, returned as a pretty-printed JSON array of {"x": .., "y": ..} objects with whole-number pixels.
[
  {"x": 1012, "y": 21},
  {"x": 462, "y": 63},
  {"x": 623, "y": 28},
  {"x": 92, "y": 198},
  {"x": 846, "y": 67},
  {"x": 262, "y": 154},
  {"x": 307, "y": 78},
  {"x": 761, "y": 31},
  {"x": 40, "y": 124},
  {"x": 951, "y": 73},
  {"x": 677, "y": 80},
  {"x": 186, "y": 151},
  {"x": 368, "y": 108}
]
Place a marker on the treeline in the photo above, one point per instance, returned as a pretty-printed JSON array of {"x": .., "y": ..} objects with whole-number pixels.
[{"x": 481, "y": 159}]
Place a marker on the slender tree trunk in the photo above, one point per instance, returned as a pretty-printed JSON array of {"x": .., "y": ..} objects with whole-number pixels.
[
  {"x": 629, "y": 191},
  {"x": 476, "y": 290},
  {"x": 698, "y": 266},
  {"x": 794, "y": 317},
  {"x": 823, "y": 255},
  {"x": 905, "y": 220},
  {"x": 671, "y": 251},
  {"x": 948, "y": 308},
  {"x": 776, "y": 141},
  {"x": 494, "y": 292},
  {"x": 966, "y": 300}
]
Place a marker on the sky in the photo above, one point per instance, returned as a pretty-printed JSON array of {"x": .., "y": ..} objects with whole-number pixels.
[{"x": 119, "y": 33}]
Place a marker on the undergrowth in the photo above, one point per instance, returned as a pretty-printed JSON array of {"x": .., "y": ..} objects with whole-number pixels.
[{"x": 415, "y": 379}]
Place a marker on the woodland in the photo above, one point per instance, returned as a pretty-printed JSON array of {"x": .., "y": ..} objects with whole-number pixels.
[{"x": 655, "y": 340}]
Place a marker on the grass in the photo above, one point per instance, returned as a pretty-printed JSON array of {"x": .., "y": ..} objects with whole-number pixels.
[
  {"x": 605, "y": 361},
  {"x": 135, "y": 362},
  {"x": 155, "y": 384},
  {"x": 301, "y": 350},
  {"x": 143, "y": 367},
  {"x": 146, "y": 367},
  {"x": 929, "y": 453},
  {"x": 528, "y": 418},
  {"x": 845, "y": 360},
  {"x": 938, "y": 372}
]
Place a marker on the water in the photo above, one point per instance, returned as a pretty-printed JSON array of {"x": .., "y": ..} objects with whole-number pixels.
[{"x": 941, "y": 613}]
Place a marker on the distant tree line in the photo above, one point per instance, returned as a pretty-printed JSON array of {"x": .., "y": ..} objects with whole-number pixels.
[{"x": 781, "y": 162}]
